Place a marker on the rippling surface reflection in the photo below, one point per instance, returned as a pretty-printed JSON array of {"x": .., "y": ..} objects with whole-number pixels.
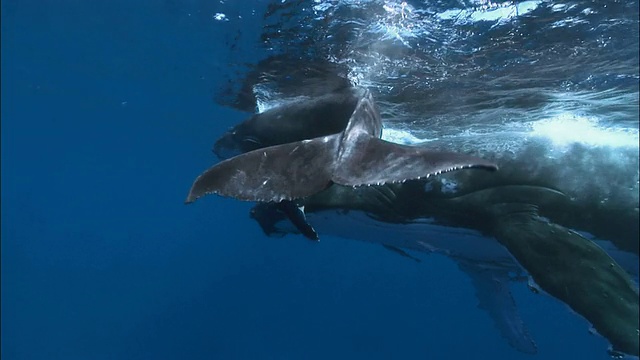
[{"x": 438, "y": 68}]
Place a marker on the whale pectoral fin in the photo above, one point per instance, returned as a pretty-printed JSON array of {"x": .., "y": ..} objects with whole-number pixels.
[
  {"x": 375, "y": 161},
  {"x": 494, "y": 296},
  {"x": 296, "y": 215},
  {"x": 268, "y": 215},
  {"x": 574, "y": 270},
  {"x": 275, "y": 173}
]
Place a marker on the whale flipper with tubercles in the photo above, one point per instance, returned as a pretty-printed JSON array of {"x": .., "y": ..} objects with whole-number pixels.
[{"x": 356, "y": 156}]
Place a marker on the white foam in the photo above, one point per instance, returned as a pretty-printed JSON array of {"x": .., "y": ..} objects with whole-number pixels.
[
  {"x": 567, "y": 128},
  {"x": 401, "y": 137},
  {"x": 490, "y": 11}
]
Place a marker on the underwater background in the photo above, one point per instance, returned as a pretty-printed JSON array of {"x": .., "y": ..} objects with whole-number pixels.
[{"x": 109, "y": 110}]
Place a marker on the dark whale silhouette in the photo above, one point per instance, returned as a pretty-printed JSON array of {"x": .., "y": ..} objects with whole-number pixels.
[
  {"x": 353, "y": 156},
  {"x": 538, "y": 207}
]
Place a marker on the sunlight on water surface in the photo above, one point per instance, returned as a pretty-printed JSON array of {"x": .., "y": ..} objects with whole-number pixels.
[{"x": 567, "y": 128}]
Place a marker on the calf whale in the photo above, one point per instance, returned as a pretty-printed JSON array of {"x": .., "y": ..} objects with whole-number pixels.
[
  {"x": 539, "y": 206},
  {"x": 354, "y": 156}
]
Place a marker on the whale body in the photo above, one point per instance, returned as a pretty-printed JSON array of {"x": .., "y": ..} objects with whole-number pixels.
[{"x": 540, "y": 211}]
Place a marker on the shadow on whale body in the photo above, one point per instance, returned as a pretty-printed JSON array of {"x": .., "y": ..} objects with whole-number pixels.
[
  {"x": 353, "y": 156},
  {"x": 531, "y": 207}
]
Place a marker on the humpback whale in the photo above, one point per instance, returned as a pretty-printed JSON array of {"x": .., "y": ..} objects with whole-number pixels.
[
  {"x": 353, "y": 156},
  {"x": 539, "y": 210},
  {"x": 484, "y": 231}
]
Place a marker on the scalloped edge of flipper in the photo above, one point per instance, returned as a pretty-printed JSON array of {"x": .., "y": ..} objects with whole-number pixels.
[{"x": 377, "y": 162}]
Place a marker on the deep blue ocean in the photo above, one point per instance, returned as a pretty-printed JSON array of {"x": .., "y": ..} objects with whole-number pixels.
[{"x": 109, "y": 111}]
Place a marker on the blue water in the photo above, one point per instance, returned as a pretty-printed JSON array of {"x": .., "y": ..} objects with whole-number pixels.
[{"x": 109, "y": 110}]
